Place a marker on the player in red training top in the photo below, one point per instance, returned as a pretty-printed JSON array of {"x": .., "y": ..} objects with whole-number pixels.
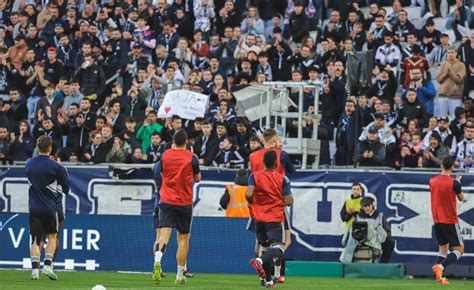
[
  {"x": 270, "y": 142},
  {"x": 284, "y": 166},
  {"x": 444, "y": 191},
  {"x": 268, "y": 193},
  {"x": 174, "y": 176}
]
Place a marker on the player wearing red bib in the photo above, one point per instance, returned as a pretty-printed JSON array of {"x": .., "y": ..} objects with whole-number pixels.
[
  {"x": 444, "y": 191},
  {"x": 268, "y": 193},
  {"x": 284, "y": 166},
  {"x": 174, "y": 175}
]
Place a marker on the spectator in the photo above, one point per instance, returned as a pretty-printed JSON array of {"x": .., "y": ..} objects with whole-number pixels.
[
  {"x": 118, "y": 152},
  {"x": 227, "y": 17},
  {"x": 439, "y": 53},
  {"x": 16, "y": 107},
  {"x": 150, "y": 126},
  {"x": 228, "y": 156},
  {"x": 386, "y": 86},
  {"x": 447, "y": 137},
  {"x": 429, "y": 36},
  {"x": 451, "y": 84},
  {"x": 335, "y": 28},
  {"x": 415, "y": 61},
  {"x": 347, "y": 128},
  {"x": 136, "y": 157},
  {"x": 461, "y": 15},
  {"x": 425, "y": 90},
  {"x": 457, "y": 125},
  {"x": 388, "y": 54},
  {"x": 402, "y": 27},
  {"x": 465, "y": 149},
  {"x": 91, "y": 79},
  {"x": 156, "y": 148},
  {"x": 370, "y": 152},
  {"x": 22, "y": 145},
  {"x": 96, "y": 150},
  {"x": 206, "y": 145},
  {"x": 299, "y": 24},
  {"x": 376, "y": 37},
  {"x": 4, "y": 145},
  {"x": 413, "y": 109},
  {"x": 436, "y": 151},
  {"x": 48, "y": 127}
]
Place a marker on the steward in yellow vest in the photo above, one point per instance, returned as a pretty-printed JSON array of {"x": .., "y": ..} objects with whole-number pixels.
[
  {"x": 352, "y": 206},
  {"x": 233, "y": 200}
]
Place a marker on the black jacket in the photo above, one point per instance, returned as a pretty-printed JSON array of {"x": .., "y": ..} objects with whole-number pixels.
[
  {"x": 212, "y": 147},
  {"x": 299, "y": 26},
  {"x": 376, "y": 147},
  {"x": 92, "y": 80},
  {"x": 21, "y": 151}
]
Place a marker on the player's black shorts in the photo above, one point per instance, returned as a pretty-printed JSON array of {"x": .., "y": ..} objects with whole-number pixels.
[
  {"x": 270, "y": 233},
  {"x": 43, "y": 223},
  {"x": 156, "y": 217},
  {"x": 448, "y": 234},
  {"x": 251, "y": 223},
  {"x": 174, "y": 216}
]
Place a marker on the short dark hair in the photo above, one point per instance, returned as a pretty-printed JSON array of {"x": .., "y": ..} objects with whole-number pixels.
[
  {"x": 44, "y": 144},
  {"x": 447, "y": 163},
  {"x": 180, "y": 137},
  {"x": 270, "y": 158},
  {"x": 356, "y": 184},
  {"x": 269, "y": 134}
]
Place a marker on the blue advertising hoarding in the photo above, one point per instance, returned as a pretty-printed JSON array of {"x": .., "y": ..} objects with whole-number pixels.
[{"x": 116, "y": 207}]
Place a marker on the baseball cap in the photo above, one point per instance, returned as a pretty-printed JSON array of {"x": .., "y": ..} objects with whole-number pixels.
[
  {"x": 443, "y": 118},
  {"x": 52, "y": 49},
  {"x": 373, "y": 130}
]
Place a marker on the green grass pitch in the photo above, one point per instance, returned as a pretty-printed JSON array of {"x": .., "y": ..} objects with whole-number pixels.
[{"x": 19, "y": 280}]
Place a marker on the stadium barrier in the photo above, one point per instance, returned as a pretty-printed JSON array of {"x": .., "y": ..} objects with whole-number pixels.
[{"x": 120, "y": 212}]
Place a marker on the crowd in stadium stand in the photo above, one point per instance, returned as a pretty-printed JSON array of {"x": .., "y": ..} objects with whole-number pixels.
[{"x": 92, "y": 75}]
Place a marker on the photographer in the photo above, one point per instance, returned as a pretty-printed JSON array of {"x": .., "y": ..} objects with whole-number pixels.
[{"x": 371, "y": 229}]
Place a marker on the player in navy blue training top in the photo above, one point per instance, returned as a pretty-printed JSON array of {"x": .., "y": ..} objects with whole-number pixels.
[{"x": 48, "y": 180}]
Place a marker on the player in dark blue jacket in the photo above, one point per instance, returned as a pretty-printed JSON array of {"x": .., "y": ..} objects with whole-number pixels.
[{"x": 48, "y": 180}]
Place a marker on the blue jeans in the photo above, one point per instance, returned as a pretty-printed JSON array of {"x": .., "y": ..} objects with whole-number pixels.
[{"x": 31, "y": 105}]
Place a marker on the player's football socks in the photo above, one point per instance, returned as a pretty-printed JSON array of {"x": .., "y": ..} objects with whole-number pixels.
[
  {"x": 438, "y": 270},
  {"x": 180, "y": 281},
  {"x": 443, "y": 281},
  {"x": 48, "y": 271},
  {"x": 35, "y": 274},
  {"x": 257, "y": 265},
  {"x": 156, "y": 276}
]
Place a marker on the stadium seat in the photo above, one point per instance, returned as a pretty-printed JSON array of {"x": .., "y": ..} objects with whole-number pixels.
[
  {"x": 413, "y": 12},
  {"x": 389, "y": 9},
  {"x": 440, "y": 23}
]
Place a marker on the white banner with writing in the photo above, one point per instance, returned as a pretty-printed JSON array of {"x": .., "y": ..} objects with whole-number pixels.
[{"x": 186, "y": 104}]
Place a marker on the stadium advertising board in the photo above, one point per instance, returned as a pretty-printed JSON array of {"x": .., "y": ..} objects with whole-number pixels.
[{"x": 316, "y": 225}]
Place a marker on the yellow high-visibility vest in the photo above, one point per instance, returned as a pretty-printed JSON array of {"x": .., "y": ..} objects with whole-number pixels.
[{"x": 238, "y": 206}]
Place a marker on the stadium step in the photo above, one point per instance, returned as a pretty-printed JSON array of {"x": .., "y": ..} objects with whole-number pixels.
[{"x": 353, "y": 270}]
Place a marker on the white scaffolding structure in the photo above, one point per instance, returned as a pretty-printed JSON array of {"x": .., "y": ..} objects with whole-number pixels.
[{"x": 298, "y": 145}]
